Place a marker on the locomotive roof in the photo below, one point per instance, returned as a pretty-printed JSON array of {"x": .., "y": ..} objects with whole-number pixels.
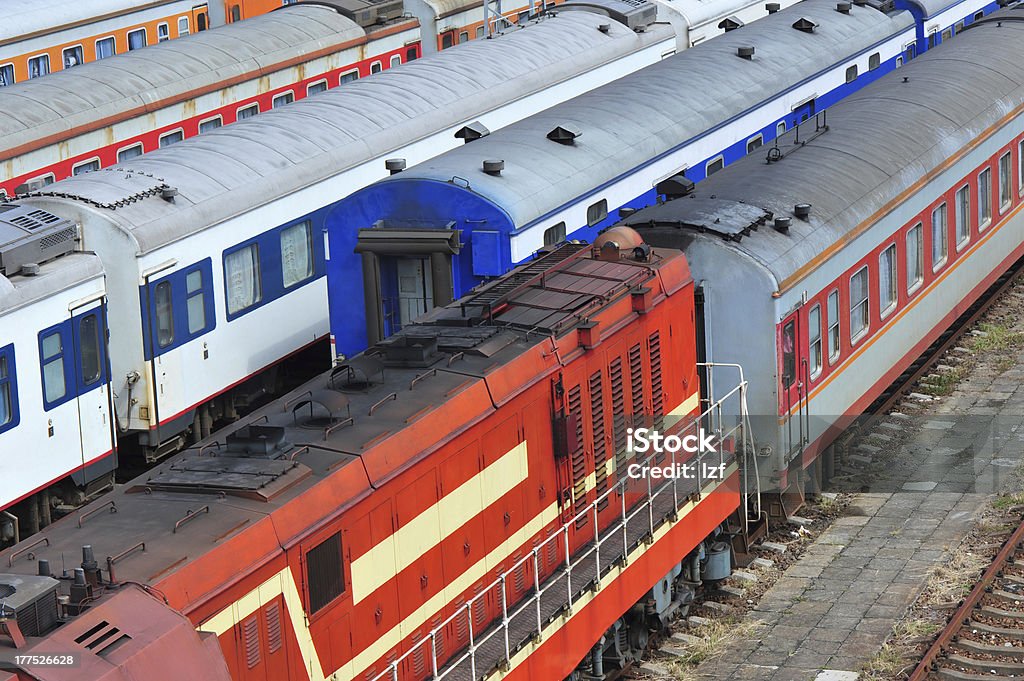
[
  {"x": 91, "y": 93},
  {"x": 22, "y": 19},
  {"x": 258, "y": 160},
  {"x": 53, "y": 277},
  {"x": 628, "y": 122},
  {"x": 341, "y": 439},
  {"x": 942, "y": 102}
]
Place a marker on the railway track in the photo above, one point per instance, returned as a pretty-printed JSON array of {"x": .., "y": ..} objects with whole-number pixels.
[{"x": 985, "y": 636}]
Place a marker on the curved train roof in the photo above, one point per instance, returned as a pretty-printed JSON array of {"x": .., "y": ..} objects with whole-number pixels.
[
  {"x": 22, "y": 19},
  {"x": 280, "y": 151},
  {"x": 859, "y": 166},
  {"x": 627, "y": 123},
  {"x": 53, "y": 277},
  {"x": 89, "y": 94}
]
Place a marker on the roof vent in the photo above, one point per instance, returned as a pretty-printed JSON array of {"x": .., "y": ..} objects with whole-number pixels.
[
  {"x": 30, "y": 269},
  {"x": 357, "y": 374},
  {"x": 264, "y": 442},
  {"x": 773, "y": 7},
  {"x": 472, "y": 131},
  {"x": 730, "y": 23},
  {"x": 168, "y": 193},
  {"x": 745, "y": 52},
  {"x": 674, "y": 187},
  {"x": 782, "y": 225},
  {"x": 394, "y": 165},
  {"x": 29, "y": 235},
  {"x": 564, "y": 134},
  {"x": 494, "y": 167},
  {"x": 802, "y": 211},
  {"x": 843, "y": 7},
  {"x": 625, "y": 212},
  {"x": 604, "y": 28},
  {"x": 804, "y": 24},
  {"x": 31, "y": 601}
]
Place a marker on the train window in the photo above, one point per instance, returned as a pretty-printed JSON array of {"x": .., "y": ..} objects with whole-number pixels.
[
  {"x": 780, "y": 128},
  {"x": 464, "y": 37},
  {"x": 814, "y": 339},
  {"x": 859, "y": 304},
  {"x": 105, "y": 48},
  {"x": 89, "y": 348},
  {"x": 410, "y": 54},
  {"x": 247, "y": 112},
  {"x": 317, "y": 87},
  {"x": 6, "y": 75},
  {"x": 8, "y": 398},
  {"x": 597, "y": 212},
  {"x": 851, "y": 73},
  {"x": 984, "y": 198},
  {"x": 1005, "y": 178},
  {"x": 754, "y": 142},
  {"x": 52, "y": 350},
  {"x": 163, "y": 32},
  {"x": 479, "y": 31},
  {"x": 72, "y": 56},
  {"x": 164, "y": 309},
  {"x": 282, "y": 99},
  {"x": 940, "y": 237},
  {"x": 788, "y": 354},
  {"x": 396, "y": 60},
  {"x": 201, "y": 21},
  {"x": 447, "y": 39},
  {"x": 129, "y": 152},
  {"x": 236, "y": 13},
  {"x": 167, "y": 139},
  {"x": 899, "y": 61},
  {"x": 963, "y": 216},
  {"x": 325, "y": 574},
  {"x": 375, "y": 67},
  {"x": 833, "y": 325},
  {"x": 196, "y": 301},
  {"x": 978, "y": 16},
  {"x": 39, "y": 66},
  {"x": 38, "y": 183},
  {"x": 874, "y": 61},
  {"x": 1020, "y": 168},
  {"x": 947, "y": 34},
  {"x": 915, "y": 258},
  {"x": 910, "y": 51},
  {"x": 210, "y": 124},
  {"x": 887, "y": 281},
  {"x": 242, "y": 278},
  {"x": 348, "y": 77},
  {"x": 136, "y": 39},
  {"x": 296, "y": 253},
  {"x": 182, "y": 26},
  {"x": 714, "y": 166},
  {"x": 959, "y": 27},
  {"x": 554, "y": 234},
  {"x": 86, "y": 167}
]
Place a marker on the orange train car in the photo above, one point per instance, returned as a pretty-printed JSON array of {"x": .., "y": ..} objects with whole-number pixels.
[{"x": 453, "y": 503}]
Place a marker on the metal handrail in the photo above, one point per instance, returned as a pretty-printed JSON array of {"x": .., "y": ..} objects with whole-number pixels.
[{"x": 591, "y": 548}]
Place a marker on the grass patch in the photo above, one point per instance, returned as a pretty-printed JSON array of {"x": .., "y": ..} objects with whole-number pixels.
[
  {"x": 1006, "y": 501},
  {"x": 897, "y": 654},
  {"x": 1005, "y": 363},
  {"x": 946, "y": 382},
  {"x": 998, "y": 337},
  {"x": 716, "y": 638}
]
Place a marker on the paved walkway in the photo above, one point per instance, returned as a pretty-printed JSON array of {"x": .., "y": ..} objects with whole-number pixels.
[{"x": 836, "y": 606}]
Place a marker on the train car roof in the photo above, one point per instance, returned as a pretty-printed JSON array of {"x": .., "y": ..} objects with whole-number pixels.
[
  {"x": 258, "y": 160},
  {"x": 635, "y": 119},
  {"x": 23, "y": 19},
  {"x": 54, "y": 276},
  {"x": 87, "y": 96},
  {"x": 853, "y": 172},
  {"x": 316, "y": 452}
]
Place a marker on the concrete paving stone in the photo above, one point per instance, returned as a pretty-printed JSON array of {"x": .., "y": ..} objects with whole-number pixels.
[
  {"x": 820, "y": 633},
  {"x": 762, "y": 563},
  {"x": 655, "y": 669},
  {"x": 819, "y": 596},
  {"x": 861, "y": 651},
  {"x": 922, "y": 486},
  {"x": 767, "y": 658},
  {"x": 837, "y": 621},
  {"x": 730, "y": 591},
  {"x": 809, "y": 611},
  {"x": 848, "y": 610},
  {"x": 695, "y": 621},
  {"x": 807, "y": 660},
  {"x": 723, "y": 608},
  {"x": 745, "y": 577},
  {"x": 874, "y": 625},
  {"x": 747, "y": 672},
  {"x": 820, "y": 646},
  {"x": 836, "y": 675},
  {"x": 685, "y": 639},
  {"x": 891, "y": 611},
  {"x": 792, "y": 674},
  {"x": 840, "y": 575},
  {"x": 801, "y": 570},
  {"x": 774, "y": 547}
]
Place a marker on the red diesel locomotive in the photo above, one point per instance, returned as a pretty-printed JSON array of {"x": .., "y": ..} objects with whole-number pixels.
[{"x": 452, "y": 503}]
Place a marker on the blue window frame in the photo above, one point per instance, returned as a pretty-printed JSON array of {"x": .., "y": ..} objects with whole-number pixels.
[
  {"x": 272, "y": 264},
  {"x": 73, "y": 357},
  {"x": 9, "y": 414},
  {"x": 178, "y": 308}
]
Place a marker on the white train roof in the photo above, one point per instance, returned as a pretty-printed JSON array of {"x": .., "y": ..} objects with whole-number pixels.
[
  {"x": 880, "y": 143},
  {"x": 53, "y": 277},
  {"x": 81, "y": 98},
  {"x": 256, "y": 161},
  {"x": 627, "y": 123},
  {"x": 22, "y": 19}
]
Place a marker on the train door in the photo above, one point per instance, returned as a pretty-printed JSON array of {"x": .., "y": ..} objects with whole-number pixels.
[
  {"x": 201, "y": 17},
  {"x": 414, "y": 291},
  {"x": 909, "y": 51},
  {"x": 793, "y": 383},
  {"x": 803, "y": 111},
  {"x": 89, "y": 341}
]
